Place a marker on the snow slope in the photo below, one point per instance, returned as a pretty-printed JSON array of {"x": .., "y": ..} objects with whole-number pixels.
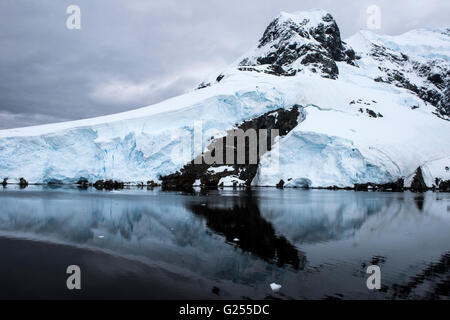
[{"x": 338, "y": 142}]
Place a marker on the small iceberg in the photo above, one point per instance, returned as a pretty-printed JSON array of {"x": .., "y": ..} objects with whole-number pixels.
[{"x": 275, "y": 286}]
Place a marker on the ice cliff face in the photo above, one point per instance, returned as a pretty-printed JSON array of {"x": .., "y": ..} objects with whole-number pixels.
[{"x": 372, "y": 110}]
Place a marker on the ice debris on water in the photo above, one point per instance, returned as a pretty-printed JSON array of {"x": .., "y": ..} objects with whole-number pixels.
[{"x": 275, "y": 287}]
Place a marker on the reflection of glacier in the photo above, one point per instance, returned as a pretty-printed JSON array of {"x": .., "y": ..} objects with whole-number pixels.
[
  {"x": 309, "y": 217},
  {"x": 160, "y": 228},
  {"x": 317, "y": 216}
]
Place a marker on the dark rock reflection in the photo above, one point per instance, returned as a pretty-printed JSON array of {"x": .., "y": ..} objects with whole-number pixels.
[
  {"x": 436, "y": 276},
  {"x": 252, "y": 232}
]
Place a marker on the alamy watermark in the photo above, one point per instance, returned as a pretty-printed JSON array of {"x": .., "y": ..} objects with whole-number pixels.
[
  {"x": 374, "y": 280},
  {"x": 73, "y": 282},
  {"x": 235, "y": 147},
  {"x": 73, "y": 22},
  {"x": 373, "y": 21}
]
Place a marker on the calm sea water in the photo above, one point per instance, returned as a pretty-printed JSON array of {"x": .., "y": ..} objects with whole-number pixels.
[{"x": 224, "y": 244}]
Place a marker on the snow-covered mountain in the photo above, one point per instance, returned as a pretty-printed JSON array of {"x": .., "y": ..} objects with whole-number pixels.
[{"x": 371, "y": 109}]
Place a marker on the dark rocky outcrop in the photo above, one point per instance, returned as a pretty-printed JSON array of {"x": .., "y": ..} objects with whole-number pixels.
[
  {"x": 444, "y": 186},
  {"x": 316, "y": 46},
  {"x": 284, "y": 120},
  {"x": 203, "y": 85},
  {"x": 220, "y": 77},
  {"x": 108, "y": 185},
  {"x": 23, "y": 183},
  {"x": 5, "y": 182},
  {"x": 430, "y": 80},
  {"x": 152, "y": 184},
  {"x": 83, "y": 183},
  {"x": 418, "y": 183},
  {"x": 396, "y": 186},
  {"x": 280, "y": 184},
  {"x": 373, "y": 114}
]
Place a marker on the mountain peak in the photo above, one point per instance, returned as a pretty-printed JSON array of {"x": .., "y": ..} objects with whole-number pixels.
[
  {"x": 312, "y": 17},
  {"x": 299, "y": 41}
]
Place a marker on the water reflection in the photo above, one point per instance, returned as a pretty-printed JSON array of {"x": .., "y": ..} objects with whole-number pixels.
[
  {"x": 435, "y": 278},
  {"x": 243, "y": 225},
  {"x": 316, "y": 243}
]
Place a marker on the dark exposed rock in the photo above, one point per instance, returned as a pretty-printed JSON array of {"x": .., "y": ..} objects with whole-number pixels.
[
  {"x": 203, "y": 85},
  {"x": 418, "y": 183},
  {"x": 152, "y": 184},
  {"x": 280, "y": 184},
  {"x": 183, "y": 179},
  {"x": 363, "y": 186},
  {"x": 429, "y": 80},
  {"x": 54, "y": 182},
  {"x": 83, "y": 183},
  {"x": 210, "y": 180},
  {"x": 108, "y": 185},
  {"x": 282, "y": 119},
  {"x": 371, "y": 113},
  {"x": 220, "y": 77},
  {"x": 316, "y": 47},
  {"x": 396, "y": 186},
  {"x": 99, "y": 184},
  {"x": 216, "y": 291},
  {"x": 23, "y": 183},
  {"x": 5, "y": 182},
  {"x": 444, "y": 186}
]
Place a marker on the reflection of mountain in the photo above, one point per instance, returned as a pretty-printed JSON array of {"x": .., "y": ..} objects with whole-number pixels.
[
  {"x": 323, "y": 216},
  {"x": 435, "y": 278},
  {"x": 338, "y": 230},
  {"x": 252, "y": 232}
]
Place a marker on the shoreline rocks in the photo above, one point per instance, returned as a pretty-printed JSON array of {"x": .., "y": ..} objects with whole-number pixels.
[
  {"x": 23, "y": 183},
  {"x": 108, "y": 185},
  {"x": 397, "y": 186},
  {"x": 418, "y": 183}
]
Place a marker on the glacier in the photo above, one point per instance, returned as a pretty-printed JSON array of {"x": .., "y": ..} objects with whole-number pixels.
[{"x": 337, "y": 141}]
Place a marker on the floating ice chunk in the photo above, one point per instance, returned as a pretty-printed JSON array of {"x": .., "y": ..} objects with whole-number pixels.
[
  {"x": 101, "y": 237},
  {"x": 275, "y": 287},
  {"x": 236, "y": 239}
]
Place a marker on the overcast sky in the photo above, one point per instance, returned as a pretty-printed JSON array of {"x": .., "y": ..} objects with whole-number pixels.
[{"x": 134, "y": 53}]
